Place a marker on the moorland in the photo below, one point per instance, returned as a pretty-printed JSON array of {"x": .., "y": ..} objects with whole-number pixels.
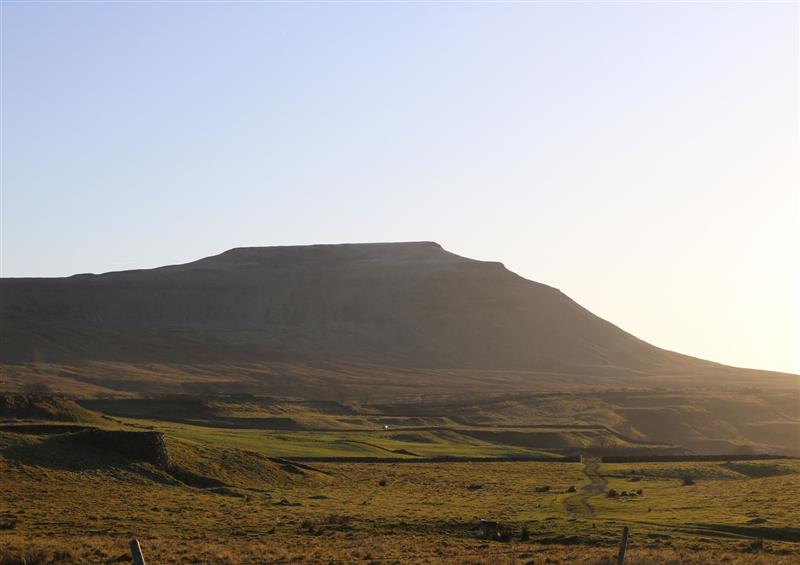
[
  {"x": 386, "y": 403},
  {"x": 79, "y": 483}
]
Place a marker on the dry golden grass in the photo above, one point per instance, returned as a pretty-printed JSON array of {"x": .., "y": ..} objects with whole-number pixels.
[
  {"x": 356, "y": 548},
  {"x": 62, "y": 510},
  {"x": 63, "y": 500}
]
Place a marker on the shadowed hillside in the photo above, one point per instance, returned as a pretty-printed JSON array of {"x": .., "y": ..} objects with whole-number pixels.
[{"x": 399, "y": 304}]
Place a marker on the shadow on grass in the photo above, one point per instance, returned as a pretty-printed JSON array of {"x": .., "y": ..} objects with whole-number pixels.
[
  {"x": 64, "y": 453},
  {"x": 143, "y": 453},
  {"x": 776, "y": 534}
]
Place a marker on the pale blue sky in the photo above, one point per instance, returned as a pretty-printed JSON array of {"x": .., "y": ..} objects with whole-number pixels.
[{"x": 641, "y": 157}]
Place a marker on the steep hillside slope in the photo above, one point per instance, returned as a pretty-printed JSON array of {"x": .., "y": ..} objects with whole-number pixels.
[{"x": 400, "y": 304}]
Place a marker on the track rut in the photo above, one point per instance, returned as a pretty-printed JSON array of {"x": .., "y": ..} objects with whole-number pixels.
[{"x": 578, "y": 503}]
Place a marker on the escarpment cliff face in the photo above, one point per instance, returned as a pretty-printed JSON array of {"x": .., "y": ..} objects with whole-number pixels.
[{"x": 399, "y": 304}]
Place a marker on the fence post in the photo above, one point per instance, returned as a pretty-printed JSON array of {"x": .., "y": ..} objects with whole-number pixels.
[
  {"x": 623, "y": 545},
  {"x": 136, "y": 551}
]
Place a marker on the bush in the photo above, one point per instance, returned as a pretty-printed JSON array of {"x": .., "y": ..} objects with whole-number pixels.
[
  {"x": 8, "y": 523},
  {"x": 612, "y": 493},
  {"x": 687, "y": 480},
  {"x": 757, "y": 545},
  {"x": 524, "y": 535},
  {"x": 65, "y": 556},
  {"x": 543, "y": 488},
  {"x": 337, "y": 519},
  {"x": 306, "y": 525}
]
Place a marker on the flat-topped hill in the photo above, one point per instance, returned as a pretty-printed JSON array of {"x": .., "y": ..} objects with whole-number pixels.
[{"x": 402, "y": 304}]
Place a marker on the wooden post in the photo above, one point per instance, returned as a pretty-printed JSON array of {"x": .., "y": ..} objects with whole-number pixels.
[
  {"x": 136, "y": 551},
  {"x": 623, "y": 545}
]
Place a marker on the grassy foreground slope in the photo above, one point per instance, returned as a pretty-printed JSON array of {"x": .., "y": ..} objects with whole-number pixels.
[
  {"x": 76, "y": 491},
  {"x": 83, "y": 506}
]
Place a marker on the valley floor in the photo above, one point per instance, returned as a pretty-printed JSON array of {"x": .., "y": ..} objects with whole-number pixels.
[
  {"x": 224, "y": 484},
  {"x": 62, "y": 511}
]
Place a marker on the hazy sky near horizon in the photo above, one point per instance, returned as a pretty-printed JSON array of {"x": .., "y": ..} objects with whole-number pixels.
[{"x": 641, "y": 157}]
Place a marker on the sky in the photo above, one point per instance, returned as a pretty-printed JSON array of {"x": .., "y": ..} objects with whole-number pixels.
[{"x": 640, "y": 156}]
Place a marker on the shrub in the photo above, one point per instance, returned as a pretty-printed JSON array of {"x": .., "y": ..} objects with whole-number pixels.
[
  {"x": 65, "y": 556},
  {"x": 757, "y": 545},
  {"x": 612, "y": 493},
  {"x": 337, "y": 519},
  {"x": 8, "y": 523},
  {"x": 687, "y": 480}
]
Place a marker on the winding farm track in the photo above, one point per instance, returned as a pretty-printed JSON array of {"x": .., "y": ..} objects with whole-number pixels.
[{"x": 578, "y": 503}]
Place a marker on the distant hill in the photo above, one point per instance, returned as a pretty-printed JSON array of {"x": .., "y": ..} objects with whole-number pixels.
[
  {"x": 395, "y": 304},
  {"x": 403, "y": 330}
]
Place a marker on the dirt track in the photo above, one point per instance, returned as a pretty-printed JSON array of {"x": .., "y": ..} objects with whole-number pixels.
[{"x": 578, "y": 503}]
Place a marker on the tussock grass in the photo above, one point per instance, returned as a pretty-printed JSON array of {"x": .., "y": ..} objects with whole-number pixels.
[
  {"x": 75, "y": 502},
  {"x": 339, "y": 548}
]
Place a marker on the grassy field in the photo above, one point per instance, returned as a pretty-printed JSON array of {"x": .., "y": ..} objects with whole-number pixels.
[
  {"x": 206, "y": 494},
  {"x": 330, "y": 429},
  {"x": 709, "y": 415},
  {"x": 381, "y": 444}
]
